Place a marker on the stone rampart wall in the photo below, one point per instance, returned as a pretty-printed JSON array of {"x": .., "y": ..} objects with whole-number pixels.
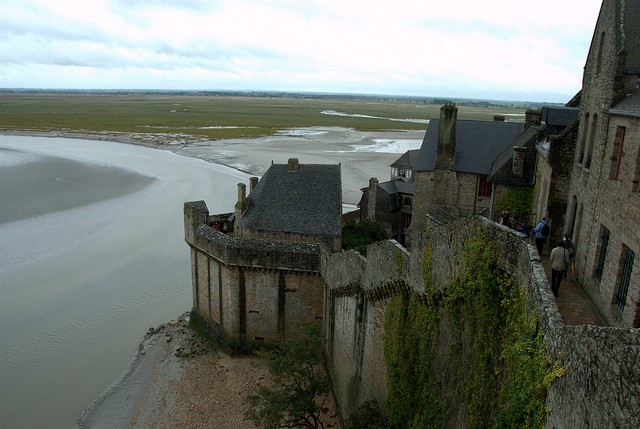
[
  {"x": 250, "y": 291},
  {"x": 601, "y": 386}
]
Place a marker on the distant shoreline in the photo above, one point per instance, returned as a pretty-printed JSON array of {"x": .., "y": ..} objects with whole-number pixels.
[{"x": 286, "y": 94}]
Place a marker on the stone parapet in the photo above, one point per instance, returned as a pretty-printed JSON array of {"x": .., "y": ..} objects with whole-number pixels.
[
  {"x": 240, "y": 252},
  {"x": 601, "y": 385}
]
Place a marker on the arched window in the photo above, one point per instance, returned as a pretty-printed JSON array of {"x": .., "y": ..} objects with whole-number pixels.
[
  {"x": 599, "y": 57},
  {"x": 574, "y": 215},
  {"x": 583, "y": 137},
  {"x": 616, "y": 154},
  {"x": 591, "y": 143}
]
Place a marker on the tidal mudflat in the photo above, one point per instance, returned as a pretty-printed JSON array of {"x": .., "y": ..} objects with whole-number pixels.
[{"x": 82, "y": 282}]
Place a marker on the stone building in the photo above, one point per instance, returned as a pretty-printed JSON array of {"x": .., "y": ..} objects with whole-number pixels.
[
  {"x": 293, "y": 202},
  {"x": 403, "y": 167},
  {"x": 603, "y": 210},
  {"x": 453, "y": 166},
  {"x": 256, "y": 272},
  {"x": 553, "y": 152},
  {"x": 389, "y": 204}
]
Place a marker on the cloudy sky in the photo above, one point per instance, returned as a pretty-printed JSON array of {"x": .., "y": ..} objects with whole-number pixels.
[{"x": 495, "y": 49}]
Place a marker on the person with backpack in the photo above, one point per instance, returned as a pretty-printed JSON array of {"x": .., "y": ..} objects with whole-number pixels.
[{"x": 542, "y": 234}]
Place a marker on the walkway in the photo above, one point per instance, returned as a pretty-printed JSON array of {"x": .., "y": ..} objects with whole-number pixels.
[{"x": 575, "y": 306}]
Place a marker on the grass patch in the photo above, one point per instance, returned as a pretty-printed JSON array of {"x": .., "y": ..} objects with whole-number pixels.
[{"x": 197, "y": 117}]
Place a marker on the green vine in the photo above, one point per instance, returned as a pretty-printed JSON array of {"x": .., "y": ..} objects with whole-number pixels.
[
  {"x": 476, "y": 358},
  {"x": 399, "y": 261},
  {"x": 427, "y": 255},
  {"x": 519, "y": 200}
]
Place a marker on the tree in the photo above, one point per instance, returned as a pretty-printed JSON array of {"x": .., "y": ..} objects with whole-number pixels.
[
  {"x": 300, "y": 386},
  {"x": 359, "y": 235}
]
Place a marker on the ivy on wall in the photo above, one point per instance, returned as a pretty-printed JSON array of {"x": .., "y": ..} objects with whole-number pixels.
[
  {"x": 519, "y": 200},
  {"x": 475, "y": 359}
]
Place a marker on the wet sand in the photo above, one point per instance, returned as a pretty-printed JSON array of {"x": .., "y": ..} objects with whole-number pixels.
[
  {"x": 160, "y": 389},
  {"x": 178, "y": 381}
]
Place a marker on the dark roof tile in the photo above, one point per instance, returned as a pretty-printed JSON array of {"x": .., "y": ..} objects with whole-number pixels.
[
  {"x": 307, "y": 201},
  {"x": 478, "y": 144}
]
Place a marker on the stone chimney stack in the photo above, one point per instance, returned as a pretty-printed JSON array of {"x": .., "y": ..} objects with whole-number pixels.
[
  {"x": 240, "y": 207},
  {"x": 517, "y": 166},
  {"x": 447, "y": 136},
  {"x": 532, "y": 117},
  {"x": 371, "y": 202},
  {"x": 253, "y": 182},
  {"x": 293, "y": 165}
]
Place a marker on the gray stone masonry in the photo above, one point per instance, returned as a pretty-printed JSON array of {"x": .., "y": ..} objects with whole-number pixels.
[{"x": 601, "y": 384}]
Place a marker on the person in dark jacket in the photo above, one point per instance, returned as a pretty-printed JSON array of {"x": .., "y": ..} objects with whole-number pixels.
[{"x": 542, "y": 234}]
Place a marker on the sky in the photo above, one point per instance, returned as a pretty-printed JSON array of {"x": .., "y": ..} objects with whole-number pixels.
[{"x": 492, "y": 49}]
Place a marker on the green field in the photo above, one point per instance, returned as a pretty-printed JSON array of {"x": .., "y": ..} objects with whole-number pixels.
[{"x": 214, "y": 117}]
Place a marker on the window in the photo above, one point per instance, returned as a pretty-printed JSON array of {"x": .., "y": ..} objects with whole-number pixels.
[
  {"x": 599, "y": 57},
  {"x": 616, "y": 156},
  {"x": 583, "y": 138},
  {"x": 636, "y": 175},
  {"x": 407, "y": 201},
  {"x": 591, "y": 142},
  {"x": 624, "y": 276},
  {"x": 574, "y": 215},
  {"x": 484, "y": 187},
  {"x": 601, "y": 254},
  {"x": 406, "y": 220}
]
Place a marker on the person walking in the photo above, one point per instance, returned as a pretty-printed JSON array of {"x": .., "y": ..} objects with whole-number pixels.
[
  {"x": 559, "y": 259},
  {"x": 568, "y": 244},
  {"x": 542, "y": 234},
  {"x": 505, "y": 217}
]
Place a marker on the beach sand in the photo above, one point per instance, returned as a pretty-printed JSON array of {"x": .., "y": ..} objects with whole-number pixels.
[
  {"x": 174, "y": 380},
  {"x": 177, "y": 380}
]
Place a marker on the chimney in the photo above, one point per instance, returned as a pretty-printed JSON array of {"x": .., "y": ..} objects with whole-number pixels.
[
  {"x": 447, "y": 136},
  {"x": 517, "y": 167},
  {"x": 371, "y": 202},
  {"x": 253, "y": 181},
  {"x": 293, "y": 166},
  {"x": 532, "y": 117},
  {"x": 240, "y": 207}
]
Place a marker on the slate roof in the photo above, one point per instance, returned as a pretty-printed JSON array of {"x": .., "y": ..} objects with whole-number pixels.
[
  {"x": 558, "y": 118},
  {"x": 408, "y": 159},
  {"x": 559, "y": 115},
  {"x": 308, "y": 201},
  {"x": 629, "y": 106},
  {"x": 478, "y": 144},
  {"x": 501, "y": 169},
  {"x": 397, "y": 186}
]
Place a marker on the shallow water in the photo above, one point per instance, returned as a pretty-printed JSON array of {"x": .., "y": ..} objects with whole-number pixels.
[{"x": 92, "y": 254}]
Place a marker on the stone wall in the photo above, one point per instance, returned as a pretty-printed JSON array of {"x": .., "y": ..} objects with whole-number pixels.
[
  {"x": 251, "y": 291},
  {"x": 455, "y": 192},
  {"x": 598, "y": 202},
  {"x": 601, "y": 386}
]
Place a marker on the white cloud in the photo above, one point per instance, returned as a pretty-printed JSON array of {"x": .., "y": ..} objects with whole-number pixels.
[{"x": 407, "y": 47}]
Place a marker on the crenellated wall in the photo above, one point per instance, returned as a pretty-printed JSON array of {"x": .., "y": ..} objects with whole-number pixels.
[
  {"x": 250, "y": 291},
  {"x": 601, "y": 385}
]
